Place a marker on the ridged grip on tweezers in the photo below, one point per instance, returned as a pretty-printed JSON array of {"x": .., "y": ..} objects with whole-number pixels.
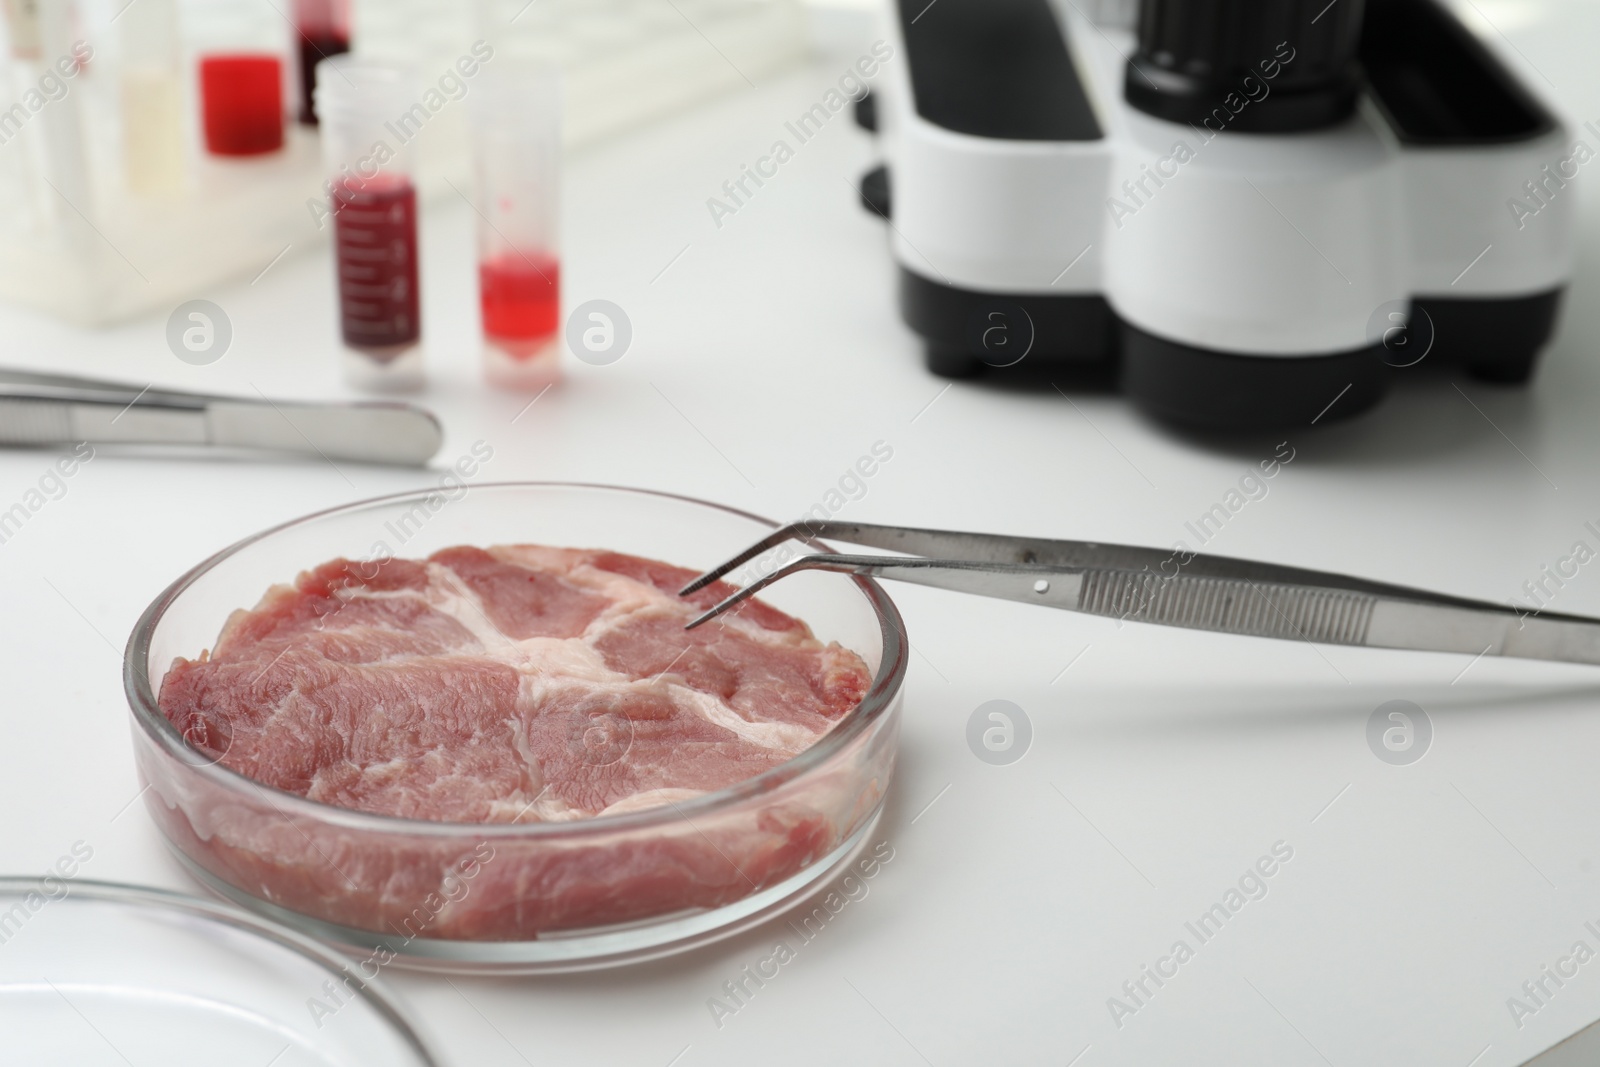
[
  {"x": 1229, "y": 606},
  {"x": 25, "y": 421}
]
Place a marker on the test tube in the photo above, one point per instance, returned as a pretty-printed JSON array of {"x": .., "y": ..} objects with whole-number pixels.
[
  {"x": 241, "y": 78},
  {"x": 322, "y": 30},
  {"x": 373, "y": 203},
  {"x": 152, "y": 98},
  {"x": 516, "y": 120}
]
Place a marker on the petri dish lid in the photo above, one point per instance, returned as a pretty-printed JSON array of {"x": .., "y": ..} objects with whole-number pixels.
[{"x": 96, "y": 973}]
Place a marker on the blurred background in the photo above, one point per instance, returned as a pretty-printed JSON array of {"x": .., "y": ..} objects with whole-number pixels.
[{"x": 152, "y": 148}]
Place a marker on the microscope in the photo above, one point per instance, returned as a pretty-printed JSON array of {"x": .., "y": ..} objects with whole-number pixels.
[{"x": 1251, "y": 213}]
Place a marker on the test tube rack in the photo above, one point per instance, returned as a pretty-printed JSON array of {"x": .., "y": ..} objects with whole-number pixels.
[{"x": 77, "y": 244}]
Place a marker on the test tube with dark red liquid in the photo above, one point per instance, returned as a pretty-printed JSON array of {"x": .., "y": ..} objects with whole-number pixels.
[
  {"x": 516, "y": 120},
  {"x": 322, "y": 31},
  {"x": 373, "y": 206}
]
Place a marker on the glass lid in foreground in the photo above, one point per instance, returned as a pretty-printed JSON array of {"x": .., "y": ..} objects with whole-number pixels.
[{"x": 93, "y": 974}]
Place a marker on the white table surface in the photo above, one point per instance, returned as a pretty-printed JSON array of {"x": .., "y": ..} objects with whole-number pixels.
[{"x": 766, "y": 359}]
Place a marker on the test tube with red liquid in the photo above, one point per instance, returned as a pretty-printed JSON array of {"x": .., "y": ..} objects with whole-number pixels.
[
  {"x": 322, "y": 30},
  {"x": 516, "y": 128},
  {"x": 241, "y": 103},
  {"x": 372, "y": 202},
  {"x": 241, "y": 47}
]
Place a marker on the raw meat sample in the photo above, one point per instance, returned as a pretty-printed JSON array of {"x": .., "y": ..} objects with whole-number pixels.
[{"x": 515, "y": 684}]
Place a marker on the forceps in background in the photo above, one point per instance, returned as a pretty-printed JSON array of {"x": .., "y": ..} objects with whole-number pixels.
[
  {"x": 51, "y": 409},
  {"x": 1214, "y": 593}
]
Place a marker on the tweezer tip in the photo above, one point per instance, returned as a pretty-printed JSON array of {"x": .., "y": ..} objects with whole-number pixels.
[
  {"x": 724, "y": 606},
  {"x": 721, "y": 571},
  {"x": 707, "y": 616}
]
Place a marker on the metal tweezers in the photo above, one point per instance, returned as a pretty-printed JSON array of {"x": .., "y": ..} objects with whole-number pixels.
[
  {"x": 1192, "y": 591},
  {"x": 54, "y": 409}
]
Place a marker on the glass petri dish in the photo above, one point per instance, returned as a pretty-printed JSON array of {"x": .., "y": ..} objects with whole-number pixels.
[
  {"x": 95, "y": 973},
  {"x": 518, "y": 897}
]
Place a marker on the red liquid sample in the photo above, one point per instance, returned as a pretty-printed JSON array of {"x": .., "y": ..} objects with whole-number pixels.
[
  {"x": 375, "y": 252},
  {"x": 315, "y": 46},
  {"x": 521, "y": 300},
  {"x": 241, "y": 103}
]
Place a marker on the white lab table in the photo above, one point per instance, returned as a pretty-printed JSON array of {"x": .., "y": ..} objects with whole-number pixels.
[{"x": 767, "y": 358}]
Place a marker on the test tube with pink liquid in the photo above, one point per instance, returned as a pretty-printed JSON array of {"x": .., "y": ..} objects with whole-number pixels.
[{"x": 516, "y": 127}]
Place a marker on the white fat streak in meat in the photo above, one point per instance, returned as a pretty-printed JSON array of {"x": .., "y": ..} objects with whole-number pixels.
[
  {"x": 545, "y": 662},
  {"x": 627, "y": 597},
  {"x": 547, "y": 665},
  {"x": 650, "y": 798},
  {"x": 519, "y": 740},
  {"x": 543, "y": 808},
  {"x": 447, "y": 593},
  {"x": 785, "y": 737}
]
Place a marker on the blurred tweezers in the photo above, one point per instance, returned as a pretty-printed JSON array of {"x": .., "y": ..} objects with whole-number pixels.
[
  {"x": 1191, "y": 591},
  {"x": 52, "y": 409}
]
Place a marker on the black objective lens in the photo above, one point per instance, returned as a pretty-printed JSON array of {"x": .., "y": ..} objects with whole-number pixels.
[{"x": 1254, "y": 66}]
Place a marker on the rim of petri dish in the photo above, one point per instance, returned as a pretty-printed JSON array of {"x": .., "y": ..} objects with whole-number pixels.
[
  {"x": 151, "y": 899},
  {"x": 880, "y": 696}
]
